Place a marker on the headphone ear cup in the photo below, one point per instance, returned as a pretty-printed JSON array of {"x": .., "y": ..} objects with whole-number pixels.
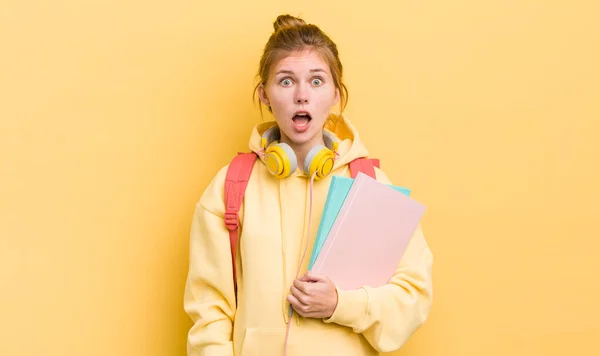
[
  {"x": 280, "y": 160},
  {"x": 319, "y": 159}
]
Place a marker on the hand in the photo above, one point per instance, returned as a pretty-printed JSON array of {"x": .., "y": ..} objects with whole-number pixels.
[{"x": 313, "y": 296}]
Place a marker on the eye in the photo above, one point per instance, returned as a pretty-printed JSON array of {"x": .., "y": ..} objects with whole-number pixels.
[
  {"x": 317, "y": 81},
  {"x": 286, "y": 82}
]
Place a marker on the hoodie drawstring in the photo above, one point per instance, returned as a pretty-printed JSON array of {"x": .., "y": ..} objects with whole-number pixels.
[{"x": 305, "y": 242}]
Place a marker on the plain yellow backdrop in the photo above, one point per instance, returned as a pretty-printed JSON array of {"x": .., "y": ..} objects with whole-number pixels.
[{"x": 114, "y": 116}]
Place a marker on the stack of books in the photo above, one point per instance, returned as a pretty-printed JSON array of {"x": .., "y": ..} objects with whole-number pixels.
[{"x": 364, "y": 230}]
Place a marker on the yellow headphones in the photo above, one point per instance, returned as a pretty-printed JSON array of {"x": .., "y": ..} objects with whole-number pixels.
[{"x": 281, "y": 160}]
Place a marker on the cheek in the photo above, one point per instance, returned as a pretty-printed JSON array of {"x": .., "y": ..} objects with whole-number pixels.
[
  {"x": 325, "y": 101},
  {"x": 277, "y": 106},
  {"x": 279, "y": 101}
]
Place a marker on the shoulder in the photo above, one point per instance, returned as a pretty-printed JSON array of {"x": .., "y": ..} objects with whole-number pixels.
[{"x": 213, "y": 197}]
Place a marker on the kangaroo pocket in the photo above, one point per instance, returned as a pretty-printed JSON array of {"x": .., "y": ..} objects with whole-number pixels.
[
  {"x": 265, "y": 342},
  {"x": 318, "y": 340}
]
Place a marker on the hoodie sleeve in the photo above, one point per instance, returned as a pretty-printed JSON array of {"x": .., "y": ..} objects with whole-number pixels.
[
  {"x": 209, "y": 297},
  {"x": 389, "y": 315}
]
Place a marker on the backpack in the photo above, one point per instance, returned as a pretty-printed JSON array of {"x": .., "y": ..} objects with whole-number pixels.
[{"x": 236, "y": 181}]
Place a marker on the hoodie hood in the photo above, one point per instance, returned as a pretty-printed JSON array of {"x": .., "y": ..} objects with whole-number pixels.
[{"x": 350, "y": 145}]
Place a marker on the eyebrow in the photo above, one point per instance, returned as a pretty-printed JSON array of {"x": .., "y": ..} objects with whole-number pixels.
[{"x": 285, "y": 71}]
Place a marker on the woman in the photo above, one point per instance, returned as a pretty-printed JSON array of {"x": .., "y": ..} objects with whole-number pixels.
[{"x": 300, "y": 82}]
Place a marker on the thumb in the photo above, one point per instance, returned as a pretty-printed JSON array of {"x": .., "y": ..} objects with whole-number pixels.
[
  {"x": 311, "y": 276},
  {"x": 305, "y": 278}
]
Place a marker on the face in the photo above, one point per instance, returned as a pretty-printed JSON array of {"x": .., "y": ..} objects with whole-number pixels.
[{"x": 301, "y": 93}]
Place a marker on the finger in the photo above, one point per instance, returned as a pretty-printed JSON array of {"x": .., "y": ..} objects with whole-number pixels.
[
  {"x": 299, "y": 295},
  {"x": 315, "y": 314},
  {"x": 302, "y": 286},
  {"x": 315, "y": 277},
  {"x": 293, "y": 302},
  {"x": 300, "y": 308},
  {"x": 305, "y": 278}
]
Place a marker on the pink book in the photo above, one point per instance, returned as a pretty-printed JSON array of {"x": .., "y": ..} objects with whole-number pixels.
[{"x": 369, "y": 236}]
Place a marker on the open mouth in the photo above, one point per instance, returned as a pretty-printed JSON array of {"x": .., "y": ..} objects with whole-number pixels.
[{"x": 301, "y": 118}]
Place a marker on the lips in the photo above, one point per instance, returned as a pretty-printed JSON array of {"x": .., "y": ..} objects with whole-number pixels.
[
  {"x": 301, "y": 117},
  {"x": 301, "y": 120}
]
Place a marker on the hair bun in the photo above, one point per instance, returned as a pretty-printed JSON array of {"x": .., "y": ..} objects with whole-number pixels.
[{"x": 285, "y": 21}]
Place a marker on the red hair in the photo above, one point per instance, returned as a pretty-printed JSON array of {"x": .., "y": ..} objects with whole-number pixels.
[{"x": 291, "y": 35}]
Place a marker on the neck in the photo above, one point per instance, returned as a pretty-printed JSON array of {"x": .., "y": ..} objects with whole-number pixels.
[{"x": 302, "y": 149}]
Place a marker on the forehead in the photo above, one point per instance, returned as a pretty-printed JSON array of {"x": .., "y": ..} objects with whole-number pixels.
[{"x": 302, "y": 61}]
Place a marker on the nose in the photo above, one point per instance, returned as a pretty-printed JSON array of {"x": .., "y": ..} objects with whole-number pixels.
[
  {"x": 301, "y": 95},
  {"x": 302, "y": 100}
]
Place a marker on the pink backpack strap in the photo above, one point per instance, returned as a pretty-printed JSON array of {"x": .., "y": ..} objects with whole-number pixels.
[
  {"x": 364, "y": 165},
  {"x": 236, "y": 181}
]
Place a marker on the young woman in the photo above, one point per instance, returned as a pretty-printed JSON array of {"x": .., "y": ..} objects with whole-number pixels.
[{"x": 279, "y": 307}]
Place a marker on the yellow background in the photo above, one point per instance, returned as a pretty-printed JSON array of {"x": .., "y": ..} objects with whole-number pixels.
[{"x": 116, "y": 114}]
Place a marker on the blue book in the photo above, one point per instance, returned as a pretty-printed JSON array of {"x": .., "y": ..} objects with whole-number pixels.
[{"x": 338, "y": 190}]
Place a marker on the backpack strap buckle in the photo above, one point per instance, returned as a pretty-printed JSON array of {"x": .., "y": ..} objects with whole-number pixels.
[{"x": 231, "y": 220}]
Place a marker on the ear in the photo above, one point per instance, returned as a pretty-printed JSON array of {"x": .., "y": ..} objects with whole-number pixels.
[{"x": 262, "y": 94}]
